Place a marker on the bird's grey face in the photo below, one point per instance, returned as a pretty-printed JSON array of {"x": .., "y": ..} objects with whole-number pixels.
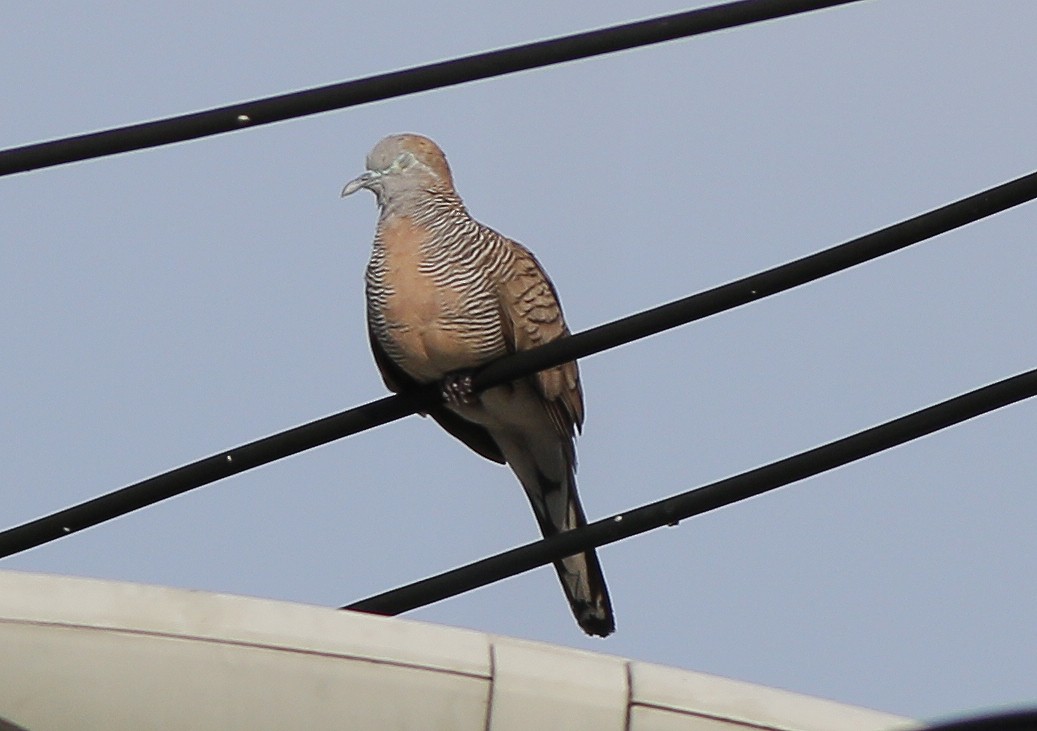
[{"x": 389, "y": 169}]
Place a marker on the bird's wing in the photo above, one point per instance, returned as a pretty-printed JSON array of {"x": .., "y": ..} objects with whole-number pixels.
[
  {"x": 468, "y": 432},
  {"x": 531, "y": 315}
]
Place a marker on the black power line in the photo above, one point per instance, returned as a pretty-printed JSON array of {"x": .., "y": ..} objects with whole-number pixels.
[
  {"x": 399, "y": 83},
  {"x": 1020, "y": 720},
  {"x": 695, "y": 502},
  {"x": 766, "y": 283},
  {"x": 725, "y": 297}
]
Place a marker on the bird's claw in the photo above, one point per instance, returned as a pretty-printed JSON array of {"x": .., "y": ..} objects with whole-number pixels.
[{"x": 456, "y": 389}]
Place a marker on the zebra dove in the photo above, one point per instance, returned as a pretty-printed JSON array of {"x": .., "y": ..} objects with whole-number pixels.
[{"x": 446, "y": 294}]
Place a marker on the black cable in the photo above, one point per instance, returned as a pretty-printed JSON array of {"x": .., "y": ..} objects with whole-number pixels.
[
  {"x": 1021, "y": 720},
  {"x": 725, "y": 297},
  {"x": 399, "y": 83},
  {"x": 754, "y": 287},
  {"x": 695, "y": 502},
  {"x": 210, "y": 469}
]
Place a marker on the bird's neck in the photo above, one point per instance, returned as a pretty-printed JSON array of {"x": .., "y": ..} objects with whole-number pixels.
[{"x": 423, "y": 206}]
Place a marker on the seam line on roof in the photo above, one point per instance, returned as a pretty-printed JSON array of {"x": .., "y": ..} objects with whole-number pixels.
[
  {"x": 741, "y": 720},
  {"x": 492, "y": 690},
  {"x": 628, "y": 666},
  {"x": 185, "y": 637}
]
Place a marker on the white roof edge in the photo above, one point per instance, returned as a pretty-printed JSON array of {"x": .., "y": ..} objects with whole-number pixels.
[{"x": 190, "y": 643}]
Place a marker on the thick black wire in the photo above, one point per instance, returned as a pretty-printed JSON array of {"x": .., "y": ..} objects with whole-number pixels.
[
  {"x": 1019, "y": 720},
  {"x": 754, "y": 287},
  {"x": 260, "y": 452},
  {"x": 695, "y": 502},
  {"x": 399, "y": 83}
]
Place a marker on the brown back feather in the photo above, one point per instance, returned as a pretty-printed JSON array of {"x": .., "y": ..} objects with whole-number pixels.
[{"x": 532, "y": 315}]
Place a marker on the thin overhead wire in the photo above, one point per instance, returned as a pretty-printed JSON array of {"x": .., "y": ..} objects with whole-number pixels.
[
  {"x": 695, "y": 502},
  {"x": 400, "y": 83},
  {"x": 698, "y": 306}
]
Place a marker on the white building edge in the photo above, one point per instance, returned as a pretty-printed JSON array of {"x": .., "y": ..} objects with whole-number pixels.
[{"x": 87, "y": 654}]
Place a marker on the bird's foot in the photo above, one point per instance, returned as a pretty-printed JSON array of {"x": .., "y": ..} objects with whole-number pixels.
[{"x": 456, "y": 389}]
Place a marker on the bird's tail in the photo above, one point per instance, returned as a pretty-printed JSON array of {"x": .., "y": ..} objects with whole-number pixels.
[{"x": 557, "y": 508}]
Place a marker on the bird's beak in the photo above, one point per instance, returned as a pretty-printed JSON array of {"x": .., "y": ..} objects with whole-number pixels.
[{"x": 362, "y": 181}]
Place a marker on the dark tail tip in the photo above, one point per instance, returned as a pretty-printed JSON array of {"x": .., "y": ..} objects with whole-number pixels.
[{"x": 595, "y": 621}]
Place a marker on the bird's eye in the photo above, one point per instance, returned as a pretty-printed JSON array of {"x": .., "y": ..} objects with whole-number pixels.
[{"x": 404, "y": 161}]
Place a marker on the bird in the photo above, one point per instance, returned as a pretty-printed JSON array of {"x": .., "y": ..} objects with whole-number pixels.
[{"x": 446, "y": 294}]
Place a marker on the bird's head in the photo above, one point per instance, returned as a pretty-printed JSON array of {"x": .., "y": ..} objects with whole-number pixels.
[{"x": 403, "y": 166}]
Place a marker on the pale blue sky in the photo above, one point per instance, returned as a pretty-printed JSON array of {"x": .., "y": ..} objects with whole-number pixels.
[{"x": 160, "y": 306}]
